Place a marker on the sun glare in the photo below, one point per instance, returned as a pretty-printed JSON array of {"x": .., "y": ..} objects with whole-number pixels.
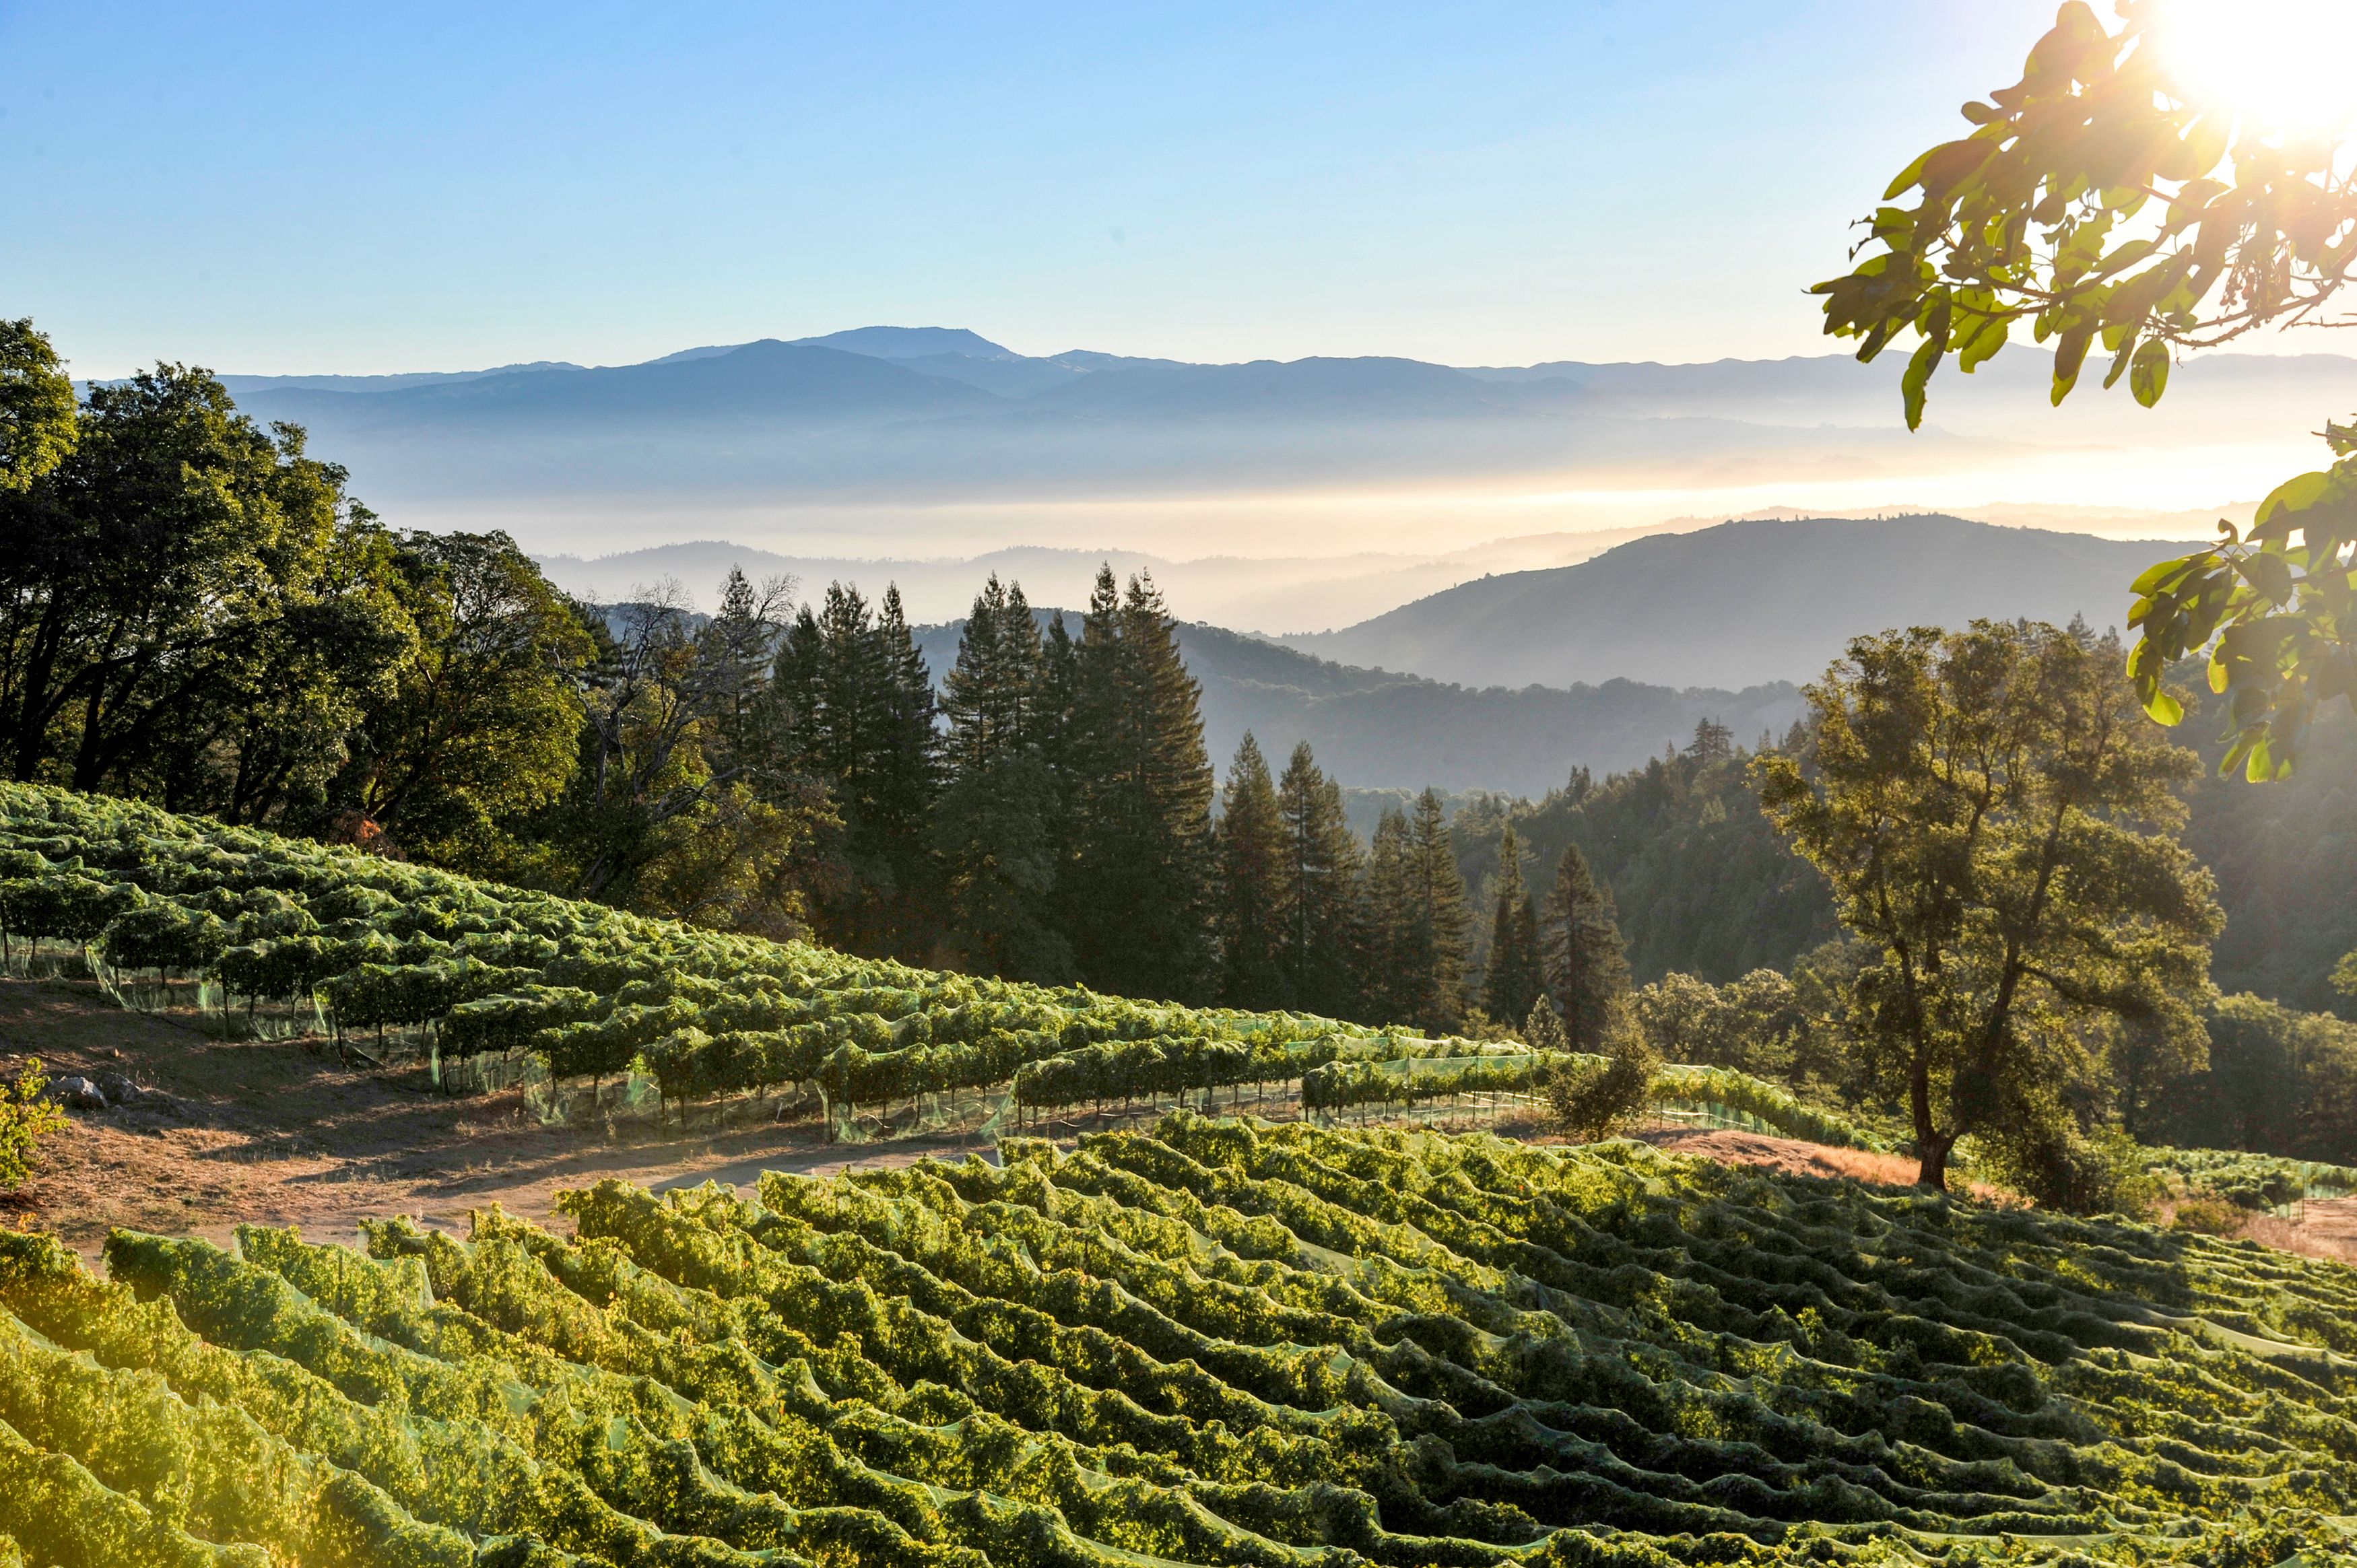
[{"x": 2282, "y": 67}]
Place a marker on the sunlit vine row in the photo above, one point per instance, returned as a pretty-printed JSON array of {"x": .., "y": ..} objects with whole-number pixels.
[{"x": 1218, "y": 1342}]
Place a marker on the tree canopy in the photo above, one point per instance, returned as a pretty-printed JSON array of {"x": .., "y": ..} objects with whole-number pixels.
[
  {"x": 191, "y": 606},
  {"x": 36, "y": 406},
  {"x": 1996, "y": 822}
]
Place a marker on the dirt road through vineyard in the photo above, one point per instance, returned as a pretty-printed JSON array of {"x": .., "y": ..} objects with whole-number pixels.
[{"x": 276, "y": 1134}]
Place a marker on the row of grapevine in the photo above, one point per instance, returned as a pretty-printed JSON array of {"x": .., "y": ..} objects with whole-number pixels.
[
  {"x": 1774, "y": 1107},
  {"x": 387, "y": 957},
  {"x": 2252, "y": 1181},
  {"x": 1284, "y": 1346}
]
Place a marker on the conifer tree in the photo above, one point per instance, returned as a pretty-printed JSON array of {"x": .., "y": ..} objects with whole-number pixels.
[
  {"x": 1585, "y": 963},
  {"x": 1512, "y": 980},
  {"x": 1393, "y": 942},
  {"x": 851, "y": 707},
  {"x": 1057, "y": 717},
  {"x": 824, "y": 690},
  {"x": 909, "y": 756},
  {"x": 1442, "y": 918},
  {"x": 992, "y": 694},
  {"x": 1250, "y": 842},
  {"x": 1139, "y": 910},
  {"x": 736, "y": 648},
  {"x": 905, "y": 785},
  {"x": 1318, "y": 873},
  {"x": 995, "y": 825}
]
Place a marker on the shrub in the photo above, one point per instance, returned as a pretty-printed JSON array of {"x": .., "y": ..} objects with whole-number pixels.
[
  {"x": 1543, "y": 1030},
  {"x": 24, "y": 1119},
  {"x": 1589, "y": 1097},
  {"x": 2207, "y": 1214},
  {"x": 2057, "y": 1166}
]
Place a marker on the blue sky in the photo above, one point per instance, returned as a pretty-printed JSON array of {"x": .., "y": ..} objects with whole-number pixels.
[{"x": 386, "y": 188}]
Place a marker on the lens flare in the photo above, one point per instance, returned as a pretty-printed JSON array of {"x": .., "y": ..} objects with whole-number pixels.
[{"x": 2282, "y": 67}]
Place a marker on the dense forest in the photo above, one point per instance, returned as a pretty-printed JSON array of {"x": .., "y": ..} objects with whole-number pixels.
[
  {"x": 1707, "y": 888},
  {"x": 1704, "y": 885}
]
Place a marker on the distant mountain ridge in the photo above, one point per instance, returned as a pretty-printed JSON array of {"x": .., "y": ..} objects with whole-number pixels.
[
  {"x": 920, "y": 416},
  {"x": 1220, "y": 589},
  {"x": 1743, "y": 603}
]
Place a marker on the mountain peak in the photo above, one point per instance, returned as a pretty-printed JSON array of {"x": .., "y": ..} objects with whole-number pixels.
[{"x": 910, "y": 343}]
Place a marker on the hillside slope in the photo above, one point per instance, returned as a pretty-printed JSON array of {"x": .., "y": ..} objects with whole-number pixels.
[
  {"x": 1210, "y": 1343},
  {"x": 1742, "y": 603}
]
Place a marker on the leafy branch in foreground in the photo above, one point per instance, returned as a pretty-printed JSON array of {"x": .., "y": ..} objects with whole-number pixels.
[{"x": 2102, "y": 201}]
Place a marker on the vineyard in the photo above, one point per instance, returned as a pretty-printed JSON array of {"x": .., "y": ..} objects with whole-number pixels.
[
  {"x": 1300, "y": 1342},
  {"x": 1276, "y": 1345},
  {"x": 2248, "y": 1180},
  {"x": 488, "y": 985}
]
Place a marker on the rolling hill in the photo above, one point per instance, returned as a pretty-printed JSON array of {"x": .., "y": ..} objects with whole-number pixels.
[{"x": 1742, "y": 603}]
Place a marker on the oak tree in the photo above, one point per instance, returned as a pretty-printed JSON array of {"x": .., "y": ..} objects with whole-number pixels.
[{"x": 1995, "y": 819}]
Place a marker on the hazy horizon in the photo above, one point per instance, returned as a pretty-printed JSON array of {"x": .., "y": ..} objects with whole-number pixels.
[{"x": 1405, "y": 462}]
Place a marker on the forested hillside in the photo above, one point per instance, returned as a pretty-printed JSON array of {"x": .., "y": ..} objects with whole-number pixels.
[
  {"x": 1702, "y": 883},
  {"x": 2286, "y": 855},
  {"x": 1380, "y": 729},
  {"x": 1704, "y": 886}
]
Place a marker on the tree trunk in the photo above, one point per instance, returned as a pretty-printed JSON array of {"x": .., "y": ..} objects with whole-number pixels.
[
  {"x": 1932, "y": 1170},
  {"x": 1931, "y": 1145}
]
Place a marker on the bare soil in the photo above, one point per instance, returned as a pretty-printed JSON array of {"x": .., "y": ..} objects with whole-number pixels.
[
  {"x": 1788, "y": 1155},
  {"x": 280, "y": 1133},
  {"x": 2321, "y": 1227},
  {"x": 1792, "y": 1156}
]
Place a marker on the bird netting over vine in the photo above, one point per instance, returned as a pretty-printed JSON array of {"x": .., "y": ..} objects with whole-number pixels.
[{"x": 1212, "y": 1343}]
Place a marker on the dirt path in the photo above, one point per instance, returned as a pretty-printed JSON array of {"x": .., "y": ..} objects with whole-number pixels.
[
  {"x": 1789, "y": 1155},
  {"x": 281, "y": 1134},
  {"x": 277, "y": 1134}
]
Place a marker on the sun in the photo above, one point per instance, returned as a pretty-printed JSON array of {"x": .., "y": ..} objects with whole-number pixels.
[{"x": 2281, "y": 67}]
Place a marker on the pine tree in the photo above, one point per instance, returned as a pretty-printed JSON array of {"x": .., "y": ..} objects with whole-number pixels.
[
  {"x": 1513, "y": 982},
  {"x": 1713, "y": 742},
  {"x": 850, "y": 707},
  {"x": 991, "y": 695},
  {"x": 1442, "y": 917},
  {"x": 1392, "y": 940},
  {"x": 995, "y": 821},
  {"x": 1251, "y": 842},
  {"x": 1056, "y": 718},
  {"x": 907, "y": 781},
  {"x": 736, "y": 646},
  {"x": 1585, "y": 963},
  {"x": 1318, "y": 876},
  {"x": 1139, "y": 911}
]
